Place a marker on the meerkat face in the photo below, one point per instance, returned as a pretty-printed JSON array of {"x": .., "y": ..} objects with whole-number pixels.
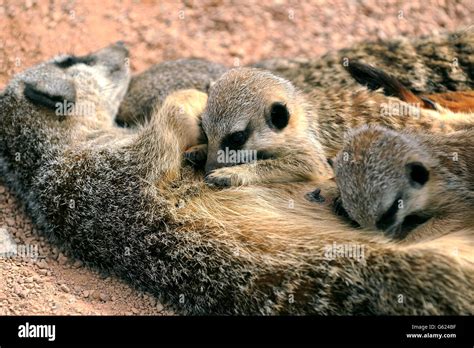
[
  {"x": 72, "y": 85},
  {"x": 249, "y": 115},
  {"x": 384, "y": 180}
]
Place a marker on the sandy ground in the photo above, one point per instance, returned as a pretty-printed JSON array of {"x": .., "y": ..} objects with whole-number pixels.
[{"x": 230, "y": 32}]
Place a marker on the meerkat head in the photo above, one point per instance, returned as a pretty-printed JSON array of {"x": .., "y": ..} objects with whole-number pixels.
[
  {"x": 72, "y": 85},
  {"x": 385, "y": 180},
  {"x": 251, "y": 111}
]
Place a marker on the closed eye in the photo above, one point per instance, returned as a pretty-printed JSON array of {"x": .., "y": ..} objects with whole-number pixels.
[
  {"x": 340, "y": 211},
  {"x": 236, "y": 140},
  {"x": 73, "y": 60},
  {"x": 388, "y": 218}
]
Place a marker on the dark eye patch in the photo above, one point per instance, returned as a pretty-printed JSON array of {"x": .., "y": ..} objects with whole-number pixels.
[
  {"x": 236, "y": 140},
  {"x": 42, "y": 98},
  {"x": 340, "y": 211},
  {"x": 411, "y": 222},
  {"x": 73, "y": 60},
  {"x": 388, "y": 218}
]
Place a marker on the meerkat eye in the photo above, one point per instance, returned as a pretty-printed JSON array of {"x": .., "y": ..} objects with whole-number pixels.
[
  {"x": 417, "y": 174},
  {"x": 238, "y": 138},
  {"x": 279, "y": 115},
  {"x": 235, "y": 140},
  {"x": 58, "y": 92}
]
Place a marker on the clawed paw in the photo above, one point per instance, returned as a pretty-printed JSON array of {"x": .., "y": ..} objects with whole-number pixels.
[
  {"x": 219, "y": 178},
  {"x": 217, "y": 181}
]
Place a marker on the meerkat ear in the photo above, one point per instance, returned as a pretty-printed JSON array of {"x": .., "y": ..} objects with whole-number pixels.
[
  {"x": 209, "y": 85},
  {"x": 417, "y": 174},
  {"x": 279, "y": 115},
  {"x": 49, "y": 95}
]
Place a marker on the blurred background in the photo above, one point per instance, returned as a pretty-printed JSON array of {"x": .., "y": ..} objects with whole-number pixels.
[{"x": 226, "y": 31}]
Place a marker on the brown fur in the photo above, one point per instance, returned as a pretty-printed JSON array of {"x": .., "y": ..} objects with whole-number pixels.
[
  {"x": 142, "y": 215},
  {"x": 372, "y": 173},
  {"x": 373, "y": 78},
  {"x": 430, "y": 64},
  {"x": 241, "y": 98}
]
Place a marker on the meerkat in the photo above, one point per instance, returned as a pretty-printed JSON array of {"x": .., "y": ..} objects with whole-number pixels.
[
  {"x": 418, "y": 64},
  {"x": 291, "y": 133},
  {"x": 458, "y": 102},
  {"x": 127, "y": 203},
  {"x": 388, "y": 180},
  {"x": 148, "y": 90},
  {"x": 430, "y": 64}
]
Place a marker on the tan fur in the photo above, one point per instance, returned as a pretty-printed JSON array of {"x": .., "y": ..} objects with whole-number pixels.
[
  {"x": 144, "y": 216},
  {"x": 315, "y": 129},
  {"x": 373, "y": 171}
]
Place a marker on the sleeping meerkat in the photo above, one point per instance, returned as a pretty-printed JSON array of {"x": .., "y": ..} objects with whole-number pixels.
[
  {"x": 233, "y": 252},
  {"x": 390, "y": 180},
  {"x": 289, "y": 135}
]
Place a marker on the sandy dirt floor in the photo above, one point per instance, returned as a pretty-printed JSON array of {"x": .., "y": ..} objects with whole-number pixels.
[{"x": 230, "y": 32}]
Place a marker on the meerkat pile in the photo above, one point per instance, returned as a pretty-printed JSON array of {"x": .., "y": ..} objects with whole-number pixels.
[
  {"x": 424, "y": 175},
  {"x": 127, "y": 202},
  {"x": 291, "y": 132}
]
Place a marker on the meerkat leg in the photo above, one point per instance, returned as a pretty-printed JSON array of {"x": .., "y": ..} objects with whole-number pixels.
[
  {"x": 182, "y": 110},
  {"x": 285, "y": 169},
  {"x": 174, "y": 128},
  {"x": 178, "y": 119}
]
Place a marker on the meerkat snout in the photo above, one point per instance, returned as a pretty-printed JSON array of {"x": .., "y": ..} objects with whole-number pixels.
[
  {"x": 244, "y": 146},
  {"x": 383, "y": 180},
  {"x": 246, "y": 118}
]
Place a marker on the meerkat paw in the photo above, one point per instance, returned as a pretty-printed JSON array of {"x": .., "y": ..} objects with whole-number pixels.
[
  {"x": 191, "y": 102},
  {"x": 196, "y": 155},
  {"x": 228, "y": 176},
  {"x": 182, "y": 111}
]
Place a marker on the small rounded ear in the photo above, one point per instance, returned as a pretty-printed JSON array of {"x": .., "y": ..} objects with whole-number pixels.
[
  {"x": 417, "y": 173},
  {"x": 209, "y": 85},
  {"x": 279, "y": 115}
]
